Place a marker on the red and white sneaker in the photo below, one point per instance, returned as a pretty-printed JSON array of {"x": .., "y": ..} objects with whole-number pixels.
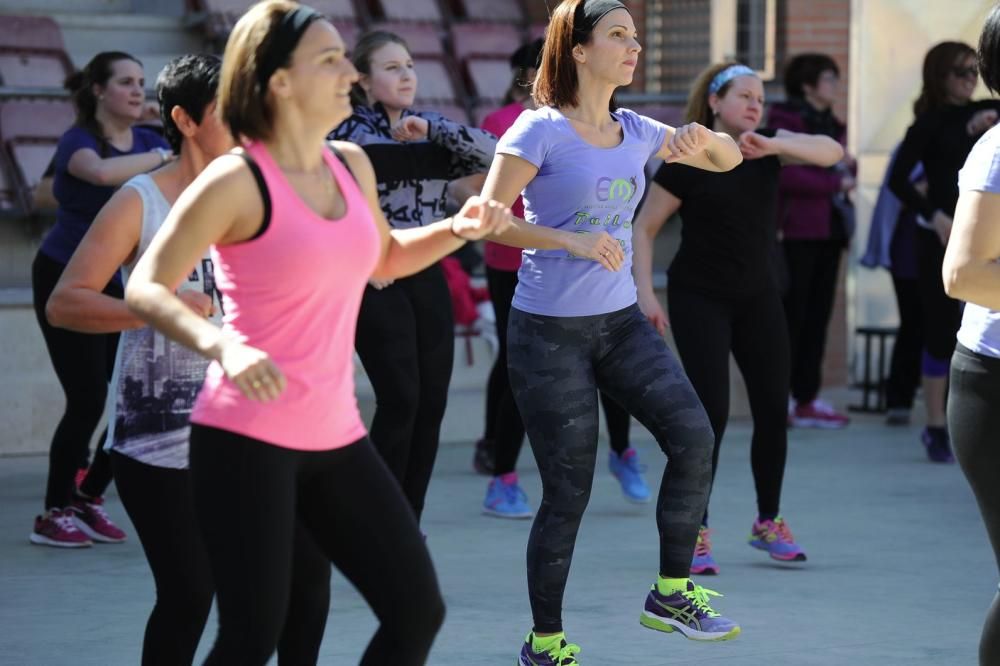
[
  {"x": 93, "y": 521},
  {"x": 58, "y": 528},
  {"x": 818, "y": 414}
]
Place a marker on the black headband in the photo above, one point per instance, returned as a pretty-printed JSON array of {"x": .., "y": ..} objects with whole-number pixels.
[
  {"x": 293, "y": 25},
  {"x": 588, "y": 13}
]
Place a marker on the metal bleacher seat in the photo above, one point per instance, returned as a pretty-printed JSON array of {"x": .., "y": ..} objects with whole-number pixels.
[
  {"x": 32, "y": 53},
  {"x": 489, "y": 77},
  {"x": 506, "y": 11},
  {"x": 485, "y": 39},
  {"x": 30, "y": 129},
  {"x": 435, "y": 83},
  {"x": 426, "y": 11},
  {"x": 424, "y": 39}
]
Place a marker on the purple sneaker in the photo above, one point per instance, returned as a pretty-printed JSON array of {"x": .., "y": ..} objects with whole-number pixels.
[
  {"x": 776, "y": 538},
  {"x": 703, "y": 563},
  {"x": 938, "y": 445},
  {"x": 689, "y": 613},
  {"x": 562, "y": 655}
]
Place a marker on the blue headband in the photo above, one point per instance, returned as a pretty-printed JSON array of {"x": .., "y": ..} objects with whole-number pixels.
[{"x": 727, "y": 75}]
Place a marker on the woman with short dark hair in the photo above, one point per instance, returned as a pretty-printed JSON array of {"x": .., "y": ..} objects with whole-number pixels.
[
  {"x": 948, "y": 123},
  {"x": 814, "y": 221},
  {"x": 971, "y": 272}
]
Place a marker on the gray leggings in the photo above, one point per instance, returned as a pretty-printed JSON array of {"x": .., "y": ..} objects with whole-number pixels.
[
  {"x": 556, "y": 366},
  {"x": 974, "y": 421}
]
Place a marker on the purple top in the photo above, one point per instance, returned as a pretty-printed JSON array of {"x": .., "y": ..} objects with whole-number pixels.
[
  {"x": 80, "y": 201},
  {"x": 581, "y": 188}
]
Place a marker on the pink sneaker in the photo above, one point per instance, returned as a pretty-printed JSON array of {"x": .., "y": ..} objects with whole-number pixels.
[
  {"x": 818, "y": 414},
  {"x": 93, "y": 521},
  {"x": 58, "y": 528}
]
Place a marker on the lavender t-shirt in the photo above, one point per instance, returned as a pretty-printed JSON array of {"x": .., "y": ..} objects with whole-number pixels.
[
  {"x": 584, "y": 189},
  {"x": 980, "y": 330}
]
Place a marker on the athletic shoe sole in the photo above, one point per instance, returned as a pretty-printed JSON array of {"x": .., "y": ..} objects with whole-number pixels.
[
  {"x": 817, "y": 423},
  {"x": 41, "y": 540},
  {"x": 94, "y": 535},
  {"x": 797, "y": 557},
  {"x": 657, "y": 623},
  {"x": 509, "y": 516}
]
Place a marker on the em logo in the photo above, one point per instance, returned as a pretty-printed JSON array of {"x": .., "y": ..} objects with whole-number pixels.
[{"x": 617, "y": 188}]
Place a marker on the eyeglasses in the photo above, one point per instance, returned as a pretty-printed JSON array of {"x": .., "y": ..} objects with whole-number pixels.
[{"x": 965, "y": 72}]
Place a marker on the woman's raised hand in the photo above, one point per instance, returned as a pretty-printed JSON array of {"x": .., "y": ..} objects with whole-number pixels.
[
  {"x": 754, "y": 146},
  {"x": 481, "y": 217},
  {"x": 410, "y": 128},
  {"x": 687, "y": 141}
]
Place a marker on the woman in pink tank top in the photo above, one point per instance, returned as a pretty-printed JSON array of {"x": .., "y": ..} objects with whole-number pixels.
[{"x": 276, "y": 434}]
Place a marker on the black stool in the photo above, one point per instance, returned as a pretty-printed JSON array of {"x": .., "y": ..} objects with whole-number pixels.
[{"x": 869, "y": 383}]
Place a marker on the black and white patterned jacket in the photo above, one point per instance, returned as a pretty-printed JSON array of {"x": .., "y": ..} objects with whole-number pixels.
[{"x": 413, "y": 176}]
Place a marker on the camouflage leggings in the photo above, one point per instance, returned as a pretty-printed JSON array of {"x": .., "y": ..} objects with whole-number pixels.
[{"x": 556, "y": 366}]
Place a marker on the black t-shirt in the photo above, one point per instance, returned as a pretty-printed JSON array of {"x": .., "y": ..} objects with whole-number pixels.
[
  {"x": 728, "y": 229},
  {"x": 941, "y": 141}
]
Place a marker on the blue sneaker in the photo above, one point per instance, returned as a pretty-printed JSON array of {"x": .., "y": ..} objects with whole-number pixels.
[
  {"x": 505, "y": 499},
  {"x": 687, "y": 612},
  {"x": 563, "y": 654},
  {"x": 628, "y": 471}
]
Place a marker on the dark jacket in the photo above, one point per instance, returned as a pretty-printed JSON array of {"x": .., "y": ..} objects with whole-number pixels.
[{"x": 805, "y": 193}]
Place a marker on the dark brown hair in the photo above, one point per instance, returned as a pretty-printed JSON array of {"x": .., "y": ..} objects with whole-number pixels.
[
  {"x": 989, "y": 50},
  {"x": 805, "y": 70},
  {"x": 81, "y": 85},
  {"x": 243, "y": 102},
  {"x": 937, "y": 66},
  {"x": 698, "y": 110},
  {"x": 556, "y": 83},
  {"x": 361, "y": 56}
]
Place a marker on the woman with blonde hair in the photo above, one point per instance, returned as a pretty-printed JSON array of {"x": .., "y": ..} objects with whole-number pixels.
[
  {"x": 722, "y": 290},
  {"x": 276, "y": 435}
]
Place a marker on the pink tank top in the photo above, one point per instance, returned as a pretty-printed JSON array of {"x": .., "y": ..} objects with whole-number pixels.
[{"x": 294, "y": 291}]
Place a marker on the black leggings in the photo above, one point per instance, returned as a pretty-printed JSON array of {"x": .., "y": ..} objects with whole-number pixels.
[
  {"x": 248, "y": 496},
  {"x": 973, "y": 422},
  {"x": 83, "y": 363},
  {"x": 504, "y": 427},
  {"x": 160, "y": 505},
  {"x": 942, "y": 315},
  {"x": 406, "y": 342},
  {"x": 813, "y": 266},
  {"x": 904, "y": 368},
  {"x": 557, "y": 365},
  {"x": 706, "y": 329}
]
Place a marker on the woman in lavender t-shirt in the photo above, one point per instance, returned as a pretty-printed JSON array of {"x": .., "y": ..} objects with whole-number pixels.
[
  {"x": 971, "y": 272},
  {"x": 575, "y": 326}
]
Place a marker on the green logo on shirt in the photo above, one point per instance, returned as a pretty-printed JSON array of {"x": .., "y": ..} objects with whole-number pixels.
[{"x": 609, "y": 189}]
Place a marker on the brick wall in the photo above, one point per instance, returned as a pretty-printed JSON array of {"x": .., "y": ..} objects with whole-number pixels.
[{"x": 824, "y": 26}]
